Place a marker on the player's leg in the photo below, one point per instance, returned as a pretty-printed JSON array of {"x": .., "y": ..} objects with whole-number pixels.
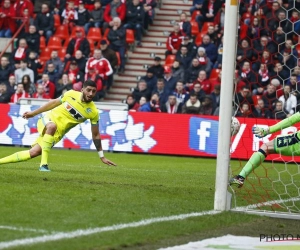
[
  {"x": 46, "y": 144},
  {"x": 22, "y": 155},
  {"x": 256, "y": 159}
]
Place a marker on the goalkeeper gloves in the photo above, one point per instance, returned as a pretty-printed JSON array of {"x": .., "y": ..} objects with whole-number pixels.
[{"x": 260, "y": 132}]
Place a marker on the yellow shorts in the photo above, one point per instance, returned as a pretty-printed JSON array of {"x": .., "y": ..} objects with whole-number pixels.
[{"x": 41, "y": 125}]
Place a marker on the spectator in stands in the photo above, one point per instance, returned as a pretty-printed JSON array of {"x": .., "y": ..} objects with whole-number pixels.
[
  {"x": 75, "y": 75},
  {"x": 209, "y": 11},
  {"x": 150, "y": 79},
  {"x": 279, "y": 36},
  {"x": 197, "y": 5},
  {"x": 260, "y": 111},
  {"x": 170, "y": 81},
  {"x": 48, "y": 86},
  {"x": 215, "y": 95},
  {"x": 132, "y": 104},
  {"x": 204, "y": 61},
  {"x": 185, "y": 25},
  {"x": 23, "y": 70},
  {"x": 21, "y": 5},
  {"x": 135, "y": 19},
  {"x": 143, "y": 103},
  {"x": 172, "y": 106},
  {"x": 247, "y": 75},
  {"x": 112, "y": 10},
  {"x": 288, "y": 47},
  {"x": 149, "y": 8},
  {"x": 70, "y": 15},
  {"x": 210, "y": 48},
  {"x": 244, "y": 96},
  {"x": 4, "y": 94},
  {"x": 281, "y": 21},
  {"x": 192, "y": 72},
  {"x": 289, "y": 101},
  {"x": 183, "y": 58},
  {"x": 96, "y": 16},
  {"x": 111, "y": 56},
  {"x": 7, "y": 24},
  {"x": 192, "y": 106},
  {"x": 94, "y": 60},
  {"x": 38, "y": 5},
  {"x": 177, "y": 70},
  {"x": 273, "y": 13},
  {"x": 141, "y": 90},
  {"x": 288, "y": 60},
  {"x": 29, "y": 86},
  {"x": 81, "y": 60},
  {"x": 161, "y": 91},
  {"x": 78, "y": 43},
  {"x": 219, "y": 20},
  {"x": 151, "y": 106},
  {"x": 20, "y": 93},
  {"x": 40, "y": 93},
  {"x": 34, "y": 63},
  {"x": 245, "y": 111},
  {"x": 216, "y": 81},
  {"x": 5, "y": 70},
  {"x": 279, "y": 112},
  {"x": 264, "y": 44},
  {"x": 22, "y": 52},
  {"x": 218, "y": 62},
  {"x": 174, "y": 40},
  {"x": 245, "y": 52},
  {"x": 181, "y": 94},
  {"x": 94, "y": 76},
  {"x": 12, "y": 84},
  {"x": 203, "y": 81},
  {"x": 158, "y": 68},
  {"x": 191, "y": 46},
  {"x": 44, "y": 22},
  {"x": 214, "y": 35},
  {"x": 58, "y": 65},
  {"x": 294, "y": 83},
  {"x": 197, "y": 91},
  {"x": 83, "y": 17},
  {"x": 52, "y": 72},
  {"x": 270, "y": 97},
  {"x": 117, "y": 38},
  {"x": 64, "y": 84},
  {"x": 280, "y": 71},
  {"x": 32, "y": 39},
  {"x": 207, "y": 106},
  {"x": 295, "y": 20},
  {"x": 263, "y": 80}
]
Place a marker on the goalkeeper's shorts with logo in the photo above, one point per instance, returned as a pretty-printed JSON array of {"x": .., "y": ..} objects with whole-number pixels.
[
  {"x": 287, "y": 144},
  {"x": 41, "y": 125}
]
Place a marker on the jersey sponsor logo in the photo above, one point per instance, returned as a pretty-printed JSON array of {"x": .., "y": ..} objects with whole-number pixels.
[
  {"x": 73, "y": 112},
  {"x": 88, "y": 110}
]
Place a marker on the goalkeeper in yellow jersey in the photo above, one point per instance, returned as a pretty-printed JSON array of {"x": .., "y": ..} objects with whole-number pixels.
[
  {"x": 65, "y": 112},
  {"x": 283, "y": 144}
]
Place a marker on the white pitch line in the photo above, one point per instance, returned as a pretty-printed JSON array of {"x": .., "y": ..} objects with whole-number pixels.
[
  {"x": 85, "y": 232},
  {"x": 24, "y": 229}
]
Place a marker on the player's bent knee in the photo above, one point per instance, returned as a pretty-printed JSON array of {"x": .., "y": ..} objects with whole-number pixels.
[
  {"x": 267, "y": 148},
  {"x": 51, "y": 128},
  {"x": 35, "y": 151}
]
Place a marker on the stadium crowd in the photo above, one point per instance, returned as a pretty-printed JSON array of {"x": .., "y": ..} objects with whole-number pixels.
[{"x": 267, "y": 64}]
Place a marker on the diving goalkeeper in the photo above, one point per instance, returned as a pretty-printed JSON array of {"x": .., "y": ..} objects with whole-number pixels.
[
  {"x": 65, "y": 112},
  {"x": 283, "y": 144}
]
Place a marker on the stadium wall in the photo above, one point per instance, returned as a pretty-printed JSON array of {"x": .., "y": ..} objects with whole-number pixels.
[{"x": 159, "y": 133}]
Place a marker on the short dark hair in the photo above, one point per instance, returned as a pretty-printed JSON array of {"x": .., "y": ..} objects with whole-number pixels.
[{"x": 89, "y": 83}]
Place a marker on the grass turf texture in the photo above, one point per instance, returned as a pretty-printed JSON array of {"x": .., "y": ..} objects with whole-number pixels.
[{"x": 82, "y": 193}]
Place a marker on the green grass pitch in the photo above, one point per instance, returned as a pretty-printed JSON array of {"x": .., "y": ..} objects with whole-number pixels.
[{"x": 81, "y": 193}]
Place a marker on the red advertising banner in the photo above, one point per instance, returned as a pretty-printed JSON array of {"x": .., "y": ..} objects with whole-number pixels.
[{"x": 144, "y": 132}]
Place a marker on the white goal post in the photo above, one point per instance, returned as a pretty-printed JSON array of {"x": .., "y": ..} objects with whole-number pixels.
[{"x": 228, "y": 69}]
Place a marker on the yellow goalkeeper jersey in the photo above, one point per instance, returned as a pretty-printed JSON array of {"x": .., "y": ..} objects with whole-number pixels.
[{"x": 72, "y": 112}]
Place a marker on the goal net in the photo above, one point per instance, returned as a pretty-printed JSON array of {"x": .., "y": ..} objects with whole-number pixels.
[{"x": 267, "y": 90}]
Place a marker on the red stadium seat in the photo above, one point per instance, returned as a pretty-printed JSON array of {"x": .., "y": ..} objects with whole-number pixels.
[
  {"x": 57, "y": 22},
  {"x": 195, "y": 28},
  {"x": 195, "y": 13},
  {"x": 198, "y": 40},
  {"x": 62, "y": 32},
  {"x": 54, "y": 43},
  {"x": 62, "y": 53},
  {"x": 214, "y": 73},
  {"x": 205, "y": 26},
  {"x": 42, "y": 42},
  {"x": 94, "y": 34},
  {"x": 45, "y": 54},
  {"x": 169, "y": 60},
  {"x": 41, "y": 70},
  {"x": 92, "y": 45},
  {"x": 105, "y": 33},
  {"x": 129, "y": 36},
  {"x": 255, "y": 99},
  {"x": 66, "y": 43},
  {"x": 73, "y": 34}
]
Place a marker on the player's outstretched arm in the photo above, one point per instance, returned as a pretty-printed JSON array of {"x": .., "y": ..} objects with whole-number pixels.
[
  {"x": 285, "y": 123},
  {"x": 98, "y": 145},
  {"x": 46, "y": 107}
]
